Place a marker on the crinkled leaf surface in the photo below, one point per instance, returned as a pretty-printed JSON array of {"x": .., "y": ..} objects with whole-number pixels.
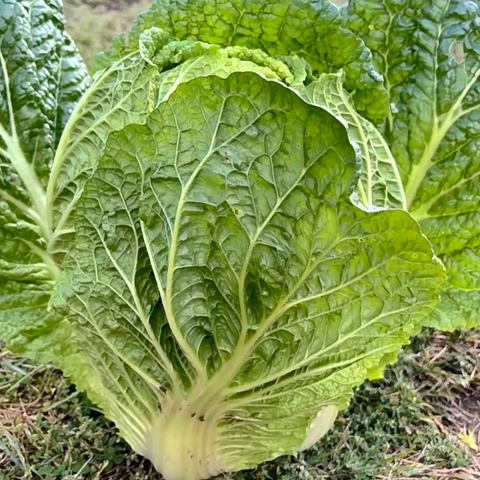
[
  {"x": 41, "y": 79},
  {"x": 220, "y": 271},
  {"x": 123, "y": 94},
  {"x": 379, "y": 184},
  {"x": 429, "y": 53},
  {"x": 126, "y": 93},
  {"x": 310, "y": 29}
]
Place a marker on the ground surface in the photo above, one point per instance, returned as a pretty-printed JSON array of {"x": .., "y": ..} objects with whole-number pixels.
[
  {"x": 94, "y": 23},
  {"x": 421, "y": 422}
]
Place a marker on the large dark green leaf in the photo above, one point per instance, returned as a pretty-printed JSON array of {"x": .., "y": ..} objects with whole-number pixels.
[
  {"x": 429, "y": 53},
  {"x": 41, "y": 79},
  {"x": 310, "y": 29}
]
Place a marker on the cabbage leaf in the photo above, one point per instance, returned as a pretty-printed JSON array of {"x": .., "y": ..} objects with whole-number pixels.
[
  {"x": 428, "y": 52},
  {"x": 42, "y": 77},
  {"x": 380, "y": 184},
  {"x": 310, "y": 29}
]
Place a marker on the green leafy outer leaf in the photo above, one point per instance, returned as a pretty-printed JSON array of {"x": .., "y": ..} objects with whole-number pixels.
[
  {"x": 41, "y": 79},
  {"x": 221, "y": 272},
  {"x": 310, "y": 29},
  {"x": 134, "y": 86},
  {"x": 429, "y": 53},
  {"x": 379, "y": 184}
]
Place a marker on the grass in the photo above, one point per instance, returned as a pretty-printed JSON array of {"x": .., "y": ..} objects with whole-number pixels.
[{"x": 406, "y": 426}]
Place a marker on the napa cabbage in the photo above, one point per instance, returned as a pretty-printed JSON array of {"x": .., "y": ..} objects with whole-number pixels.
[{"x": 241, "y": 217}]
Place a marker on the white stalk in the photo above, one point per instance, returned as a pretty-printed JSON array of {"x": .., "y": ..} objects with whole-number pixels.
[{"x": 182, "y": 444}]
